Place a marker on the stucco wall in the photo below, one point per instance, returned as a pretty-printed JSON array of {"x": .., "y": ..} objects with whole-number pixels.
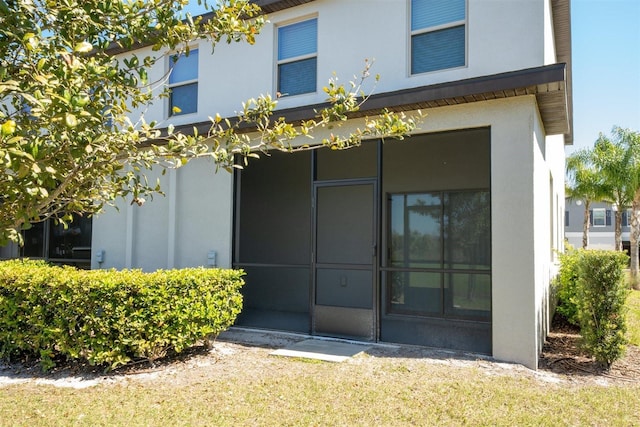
[
  {"x": 549, "y": 42},
  {"x": 502, "y": 35},
  {"x": 174, "y": 231}
]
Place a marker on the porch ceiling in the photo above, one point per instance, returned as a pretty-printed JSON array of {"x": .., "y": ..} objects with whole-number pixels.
[{"x": 548, "y": 84}]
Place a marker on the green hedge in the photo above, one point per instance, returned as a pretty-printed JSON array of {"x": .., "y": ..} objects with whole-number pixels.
[
  {"x": 110, "y": 317},
  {"x": 600, "y": 300},
  {"x": 567, "y": 285}
]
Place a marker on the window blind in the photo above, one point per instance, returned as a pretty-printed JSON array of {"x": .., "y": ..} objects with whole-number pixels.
[
  {"x": 185, "y": 69},
  {"x": 297, "y": 77},
  {"x": 298, "y": 39},
  {"x": 438, "y": 50},
  {"x": 430, "y": 13}
]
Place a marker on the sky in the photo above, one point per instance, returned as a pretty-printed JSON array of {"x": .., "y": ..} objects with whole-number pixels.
[{"x": 606, "y": 68}]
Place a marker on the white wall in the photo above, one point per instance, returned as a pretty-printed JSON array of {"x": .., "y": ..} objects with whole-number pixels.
[
  {"x": 502, "y": 35},
  {"x": 549, "y": 41},
  {"x": 175, "y": 231}
]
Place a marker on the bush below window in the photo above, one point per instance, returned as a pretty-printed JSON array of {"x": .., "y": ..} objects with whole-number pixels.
[{"x": 110, "y": 317}]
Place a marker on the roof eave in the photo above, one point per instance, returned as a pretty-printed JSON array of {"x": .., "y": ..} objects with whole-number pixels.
[
  {"x": 270, "y": 6},
  {"x": 547, "y": 83},
  {"x": 561, "y": 10}
]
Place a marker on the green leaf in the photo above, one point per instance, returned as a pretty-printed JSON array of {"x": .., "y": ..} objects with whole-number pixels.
[
  {"x": 8, "y": 128},
  {"x": 70, "y": 120},
  {"x": 30, "y": 41},
  {"x": 83, "y": 47}
]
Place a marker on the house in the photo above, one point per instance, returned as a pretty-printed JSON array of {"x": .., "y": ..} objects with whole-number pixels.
[
  {"x": 446, "y": 239},
  {"x": 601, "y": 225}
]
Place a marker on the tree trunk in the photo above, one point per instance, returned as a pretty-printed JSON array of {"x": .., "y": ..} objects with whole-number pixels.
[
  {"x": 633, "y": 240},
  {"x": 585, "y": 224},
  {"x": 618, "y": 229}
]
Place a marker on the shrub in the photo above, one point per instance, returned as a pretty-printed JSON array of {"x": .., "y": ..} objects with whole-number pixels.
[
  {"x": 601, "y": 296},
  {"x": 567, "y": 285},
  {"x": 110, "y": 317}
]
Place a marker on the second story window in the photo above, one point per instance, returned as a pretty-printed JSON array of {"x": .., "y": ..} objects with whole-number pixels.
[
  {"x": 183, "y": 83},
  {"x": 437, "y": 35},
  {"x": 297, "y": 57}
]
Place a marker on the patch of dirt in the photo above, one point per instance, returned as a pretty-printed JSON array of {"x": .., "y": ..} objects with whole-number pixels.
[
  {"x": 562, "y": 355},
  {"x": 241, "y": 351}
]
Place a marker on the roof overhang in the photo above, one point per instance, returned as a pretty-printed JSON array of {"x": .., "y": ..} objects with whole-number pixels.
[
  {"x": 270, "y": 6},
  {"x": 561, "y": 11},
  {"x": 548, "y": 84}
]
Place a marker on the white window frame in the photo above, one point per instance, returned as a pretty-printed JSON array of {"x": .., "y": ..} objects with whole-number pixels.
[
  {"x": 181, "y": 83},
  {"x": 463, "y": 22},
  {"x": 628, "y": 224},
  {"x": 602, "y": 211},
  {"x": 280, "y": 62}
]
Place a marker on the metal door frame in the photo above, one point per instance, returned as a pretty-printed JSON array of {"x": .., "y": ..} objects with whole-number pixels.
[{"x": 375, "y": 250}]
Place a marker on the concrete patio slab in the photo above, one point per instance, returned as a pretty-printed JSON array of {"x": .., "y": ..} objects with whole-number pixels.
[{"x": 326, "y": 350}]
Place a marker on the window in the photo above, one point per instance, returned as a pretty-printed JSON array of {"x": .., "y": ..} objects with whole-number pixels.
[
  {"x": 439, "y": 254},
  {"x": 437, "y": 35},
  {"x": 297, "y": 58},
  {"x": 55, "y": 243},
  {"x": 626, "y": 218},
  {"x": 599, "y": 217},
  {"x": 183, "y": 83}
]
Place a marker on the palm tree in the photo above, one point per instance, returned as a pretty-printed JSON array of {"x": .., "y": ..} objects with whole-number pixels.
[
  {"x": 583, "y": 183},
  {"x": 611, "y": 159},
  {"x": 630, "y": 140},
  {"x": 610, "y": 172}
]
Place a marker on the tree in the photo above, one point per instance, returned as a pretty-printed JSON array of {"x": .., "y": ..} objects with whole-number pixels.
[
  {"x": 617, "y": 161},
  {"x": 67, "y": 143},
  {"x": 611, "y": 159},
  {"x": 630, "y": 140},
  {"x": 583, "y": 183}
]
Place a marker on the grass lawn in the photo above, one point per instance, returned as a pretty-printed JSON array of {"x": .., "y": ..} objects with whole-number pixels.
[
  {"x": 364, "y": 393},
  {"x": 249, "y": 387}
]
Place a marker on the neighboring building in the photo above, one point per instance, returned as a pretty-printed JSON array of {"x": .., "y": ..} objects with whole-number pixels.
[
  {"x": 601, "y": 225},
  {"x": 446, "y": 239}
]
